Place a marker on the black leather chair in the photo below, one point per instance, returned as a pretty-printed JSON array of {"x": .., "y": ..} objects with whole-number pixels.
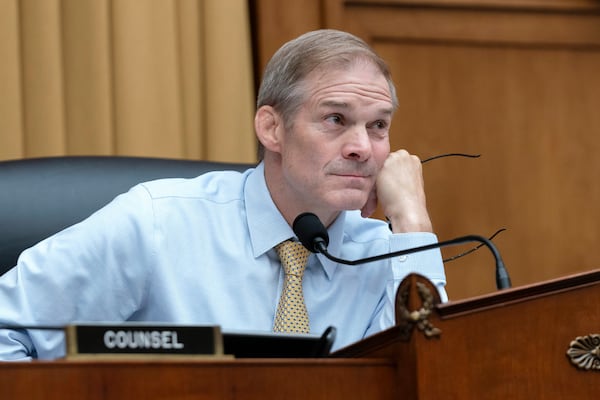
[{"x": 41, "y": 196}]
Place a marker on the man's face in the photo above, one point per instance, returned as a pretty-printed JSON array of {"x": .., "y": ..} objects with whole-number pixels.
[{"x": 339, "y": 141}]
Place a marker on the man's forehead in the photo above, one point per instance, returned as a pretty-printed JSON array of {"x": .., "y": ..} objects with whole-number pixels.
[{"x": 364, "y": 78}]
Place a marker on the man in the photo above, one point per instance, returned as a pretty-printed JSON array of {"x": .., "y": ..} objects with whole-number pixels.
[{"x": 202, "y": 251}]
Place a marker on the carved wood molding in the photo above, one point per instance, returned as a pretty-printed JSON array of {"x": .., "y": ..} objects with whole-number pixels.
[
  {"x": 415, "y": 301},
  {"x": 519, "y": 294},
  {"x": 538, "y": 23},
  {"x": 526, "y": 5},
  {"x": 584, "y": 352}
]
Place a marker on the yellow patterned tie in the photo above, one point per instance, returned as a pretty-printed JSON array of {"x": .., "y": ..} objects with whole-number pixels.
[{"x": 291, "y": 312}]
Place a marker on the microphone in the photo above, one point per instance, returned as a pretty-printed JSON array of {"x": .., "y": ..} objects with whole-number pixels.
[{"x": 313, "y": 235}]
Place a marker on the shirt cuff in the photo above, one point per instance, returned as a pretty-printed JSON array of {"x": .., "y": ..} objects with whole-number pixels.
[{"x": 428, "y": 263}]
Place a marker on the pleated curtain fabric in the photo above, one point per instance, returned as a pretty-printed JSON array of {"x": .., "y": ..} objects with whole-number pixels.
[
  {"x": 126, "y": 77},
  {"x": 292, "y": 316}
]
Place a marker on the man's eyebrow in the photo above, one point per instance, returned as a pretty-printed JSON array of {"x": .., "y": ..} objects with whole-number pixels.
[
  {"x": 343, "y": 104},
  {"x": 387, "y": 111},
  {"x": 334, "y": 104}
]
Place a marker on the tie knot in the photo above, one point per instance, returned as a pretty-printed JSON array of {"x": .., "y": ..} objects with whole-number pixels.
[{"x": 293, "y": 256}]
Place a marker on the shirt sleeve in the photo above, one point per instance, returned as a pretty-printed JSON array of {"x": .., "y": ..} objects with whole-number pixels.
[
  {"x": 92, "y": 271},
  {"x": 427, "y": 263}
]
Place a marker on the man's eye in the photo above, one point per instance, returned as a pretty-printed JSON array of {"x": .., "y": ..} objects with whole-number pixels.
[
  {"x": 336, "y": 119},
  {"x": 379, "y": 124}
]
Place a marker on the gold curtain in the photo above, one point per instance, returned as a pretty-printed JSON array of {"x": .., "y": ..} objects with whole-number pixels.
[{"x": 163, "y": 78}]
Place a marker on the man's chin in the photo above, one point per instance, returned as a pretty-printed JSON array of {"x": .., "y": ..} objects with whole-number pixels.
[{"x": 345, "y": 201}]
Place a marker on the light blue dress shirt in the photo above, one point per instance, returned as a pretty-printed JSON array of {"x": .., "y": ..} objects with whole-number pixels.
[{"x": 200, "y": 251}]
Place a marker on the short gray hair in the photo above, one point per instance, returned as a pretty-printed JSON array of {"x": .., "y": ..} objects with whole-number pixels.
[{"x": 281, "y": 86}]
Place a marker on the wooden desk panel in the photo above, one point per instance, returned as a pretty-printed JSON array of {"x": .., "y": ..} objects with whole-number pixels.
[
  {"x": 511, "y": 344},
  {"x": 200, "y": 379}
]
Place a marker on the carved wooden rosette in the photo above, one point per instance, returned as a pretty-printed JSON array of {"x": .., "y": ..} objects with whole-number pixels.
[
  {"x": 415, "y": 300},
  {"x": 584, "y": 352}
]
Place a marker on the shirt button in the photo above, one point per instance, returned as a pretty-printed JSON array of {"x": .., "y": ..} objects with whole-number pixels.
[{"x": 402, "y": 258}]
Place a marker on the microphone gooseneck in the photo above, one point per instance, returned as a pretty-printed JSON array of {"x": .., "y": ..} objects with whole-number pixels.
[{"x": 313, "y": 235}]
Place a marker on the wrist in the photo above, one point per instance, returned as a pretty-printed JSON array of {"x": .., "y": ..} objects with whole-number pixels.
[{"x": 410, "y": 223}]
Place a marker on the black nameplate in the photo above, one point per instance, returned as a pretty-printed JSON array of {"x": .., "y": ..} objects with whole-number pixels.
[{"x": 142, "y": 339}]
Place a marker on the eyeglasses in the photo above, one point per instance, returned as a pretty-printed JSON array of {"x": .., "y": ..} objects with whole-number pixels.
[
  {"x": 450, "y": 155},
  {"x": 495, "y": 233}
]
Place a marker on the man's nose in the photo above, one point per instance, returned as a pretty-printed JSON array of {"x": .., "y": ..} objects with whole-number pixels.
[{"x": 357, "y": 144}]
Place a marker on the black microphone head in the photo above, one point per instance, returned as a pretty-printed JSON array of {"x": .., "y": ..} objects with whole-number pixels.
[{"x": 311, "y": 232}]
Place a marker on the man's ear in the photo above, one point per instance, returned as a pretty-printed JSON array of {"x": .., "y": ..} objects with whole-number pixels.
[{"x": 269, "y": 128}]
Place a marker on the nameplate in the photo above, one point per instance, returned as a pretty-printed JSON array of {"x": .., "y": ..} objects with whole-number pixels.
[{"x": 141, "y": 339}]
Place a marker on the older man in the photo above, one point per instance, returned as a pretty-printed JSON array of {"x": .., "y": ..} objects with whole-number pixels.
[{"x": 207, "y": 250}]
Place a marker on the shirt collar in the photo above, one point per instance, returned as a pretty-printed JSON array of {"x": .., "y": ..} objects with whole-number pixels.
[
  {"x": 268, "y": 227},
  {"x": 266, "y": 224}
]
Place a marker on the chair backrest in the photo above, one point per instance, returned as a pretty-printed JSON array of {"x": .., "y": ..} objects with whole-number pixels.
[{"x": 41, "y": 196}]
